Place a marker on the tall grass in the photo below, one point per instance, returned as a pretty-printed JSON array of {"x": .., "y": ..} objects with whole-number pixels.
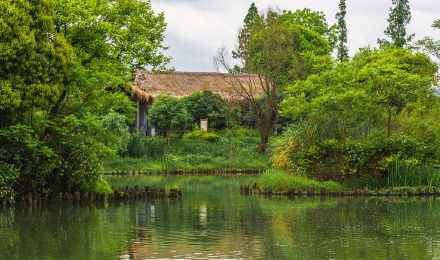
[
  {"x": 404, "y": 173},
  {"x": 280, "y": 180},
  {"x": 277, "y": 180}
]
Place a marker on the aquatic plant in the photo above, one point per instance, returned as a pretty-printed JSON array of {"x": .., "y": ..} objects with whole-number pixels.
[
  {"x": 170, "y": 162},
  {"x": 410, "y": 172}
]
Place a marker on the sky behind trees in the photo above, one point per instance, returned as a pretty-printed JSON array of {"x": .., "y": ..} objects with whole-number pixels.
[{"x": 197, "y": 28}]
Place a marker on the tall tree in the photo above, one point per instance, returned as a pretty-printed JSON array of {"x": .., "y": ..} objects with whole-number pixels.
[
  {"x": 342, "y": 54},
  {"x": 250, "y": 16},
  {"x": 277, "y": 52},
  {"x": 56, "y": 58},
  {"x": 399, "y": 18},
  {"x": 243, "y": 35},
  {"x": 396, "y": 77}
]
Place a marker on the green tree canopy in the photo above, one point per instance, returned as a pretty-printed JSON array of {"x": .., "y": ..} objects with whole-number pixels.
[
  {"x": 35, "y": 61},
  {"x": 396, "y": 77},
  {"x": 169, "y": 113},
  {"x": 205, "y": 104},
  {"x": 312, "y": 20},
  {"x": 56, "y": 59},
  {"x": 357, "y": 116},
  {"x": 113, "y": 35}
]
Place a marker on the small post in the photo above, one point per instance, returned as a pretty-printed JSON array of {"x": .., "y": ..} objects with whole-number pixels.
[{"x": 77, "y": 197}]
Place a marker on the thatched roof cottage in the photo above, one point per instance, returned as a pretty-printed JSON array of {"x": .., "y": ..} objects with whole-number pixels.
[{"x": 148, "y": 85}]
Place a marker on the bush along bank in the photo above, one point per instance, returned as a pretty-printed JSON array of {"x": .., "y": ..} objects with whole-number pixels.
[{"x": 75, "y": 198}]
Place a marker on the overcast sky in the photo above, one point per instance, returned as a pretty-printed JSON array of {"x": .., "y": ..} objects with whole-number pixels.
[{"x": 198, "y": 28}]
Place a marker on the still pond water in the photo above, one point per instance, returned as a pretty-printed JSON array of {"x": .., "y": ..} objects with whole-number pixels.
[{"x": 212, "y": 221}]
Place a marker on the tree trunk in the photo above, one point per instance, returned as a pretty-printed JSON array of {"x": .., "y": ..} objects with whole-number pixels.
[
  {"x": 389, "y": 123},
  {"x": 169, "y": 137},
  {"x": 263, "y": 143}
]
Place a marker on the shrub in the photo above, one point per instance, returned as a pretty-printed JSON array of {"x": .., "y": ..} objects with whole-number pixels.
[
  {"x": 246, "y": 132},
  {"x": 155, "y": 147},
  {"x": 307, "y": 184},
  {"x": 135, "y": 146},
  {"x": 103, "y": 186},
  {"x": 115, "y": 123},
  {"x": 8, "y": 174},
  {"x": 202, "y": 135}
]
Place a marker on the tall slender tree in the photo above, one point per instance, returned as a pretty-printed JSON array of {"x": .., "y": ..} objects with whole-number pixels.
[
  {"x": 342, "y": 32},
  {"x": 399, "y": 17},
  {"x": 250, "y": 16}
]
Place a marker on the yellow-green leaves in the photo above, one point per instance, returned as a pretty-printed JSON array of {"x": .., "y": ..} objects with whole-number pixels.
[{"x": 34, "y": 59}]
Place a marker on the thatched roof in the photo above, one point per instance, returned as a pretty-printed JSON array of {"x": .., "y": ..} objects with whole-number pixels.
[{"x": 149, "y": 84}]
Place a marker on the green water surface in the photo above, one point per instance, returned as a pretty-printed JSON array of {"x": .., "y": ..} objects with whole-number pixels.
[{"x": 212, "y": 221}]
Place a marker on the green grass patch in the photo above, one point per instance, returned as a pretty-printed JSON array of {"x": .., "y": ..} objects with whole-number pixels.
[{"x": 280, "y": 180}]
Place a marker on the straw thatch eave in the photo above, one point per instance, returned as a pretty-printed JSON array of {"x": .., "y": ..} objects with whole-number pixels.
[{"x": 148, "y": 84}]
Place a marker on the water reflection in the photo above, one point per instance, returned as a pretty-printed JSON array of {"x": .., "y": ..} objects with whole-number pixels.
[{"x": 213, "y": 221}]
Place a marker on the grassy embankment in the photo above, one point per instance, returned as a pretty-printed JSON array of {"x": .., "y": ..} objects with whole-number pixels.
[{"x": 193, "y": 151}]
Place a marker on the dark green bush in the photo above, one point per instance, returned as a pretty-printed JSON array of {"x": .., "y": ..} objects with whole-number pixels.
[
  {"x": 135, "y": 146},
  {"x": 155, "y": 147}
]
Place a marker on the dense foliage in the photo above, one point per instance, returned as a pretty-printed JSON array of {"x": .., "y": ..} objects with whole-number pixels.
[
  {"x": 279, "y": 48},
  {"x": 374, "y": 117},
  {"x": 356, "y": 119},
  {"x": 58, "y": 124}
]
